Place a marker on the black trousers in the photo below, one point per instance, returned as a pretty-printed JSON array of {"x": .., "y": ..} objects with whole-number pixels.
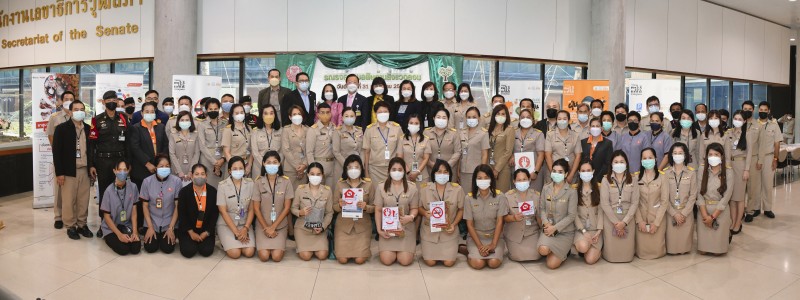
[
  {"x": 190, "y": 248},
  {"x": 159, "y": 242},
  {"x": 105, "y": 176},
  {"x": 122, "y": 248}
]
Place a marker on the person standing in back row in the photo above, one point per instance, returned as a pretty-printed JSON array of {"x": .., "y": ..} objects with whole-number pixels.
[
  {"x": 353, "y": 99},
  {"x": 274, "y": 93},
  {"x": 302, "y": 97},
  {"x": 108, "y": 144},
  {"x": 769, "y": 142}
]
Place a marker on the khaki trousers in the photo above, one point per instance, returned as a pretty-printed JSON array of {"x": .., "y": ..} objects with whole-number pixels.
[
  {"x": 760, "y": 185},
  {"x": 75, "y": 199}
]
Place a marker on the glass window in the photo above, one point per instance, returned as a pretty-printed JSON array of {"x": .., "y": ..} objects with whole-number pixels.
[
  {"x": 720, "y": 90},
  {"x": 26, "y": 98},
  {"x": 695, "y": 92},
  {"x": 638, "y": 75},
  {"x": 520, "y": 71},
  {"x": 759, "y": 93},
  {"x": 228, "y": 70},
  {"x": 135, "y": 67},
  {"x": 63, "y": 69},
  {"x": 668, "y": 76},
  {"x": 9, "y": 106},
  {"x": 255, "y": 75},
  {"x": 88, "y": 75},
  {"x": 479, "y": 74},
  {"x": 741, "y": 93},
  {"x": 554, "y": 76}
]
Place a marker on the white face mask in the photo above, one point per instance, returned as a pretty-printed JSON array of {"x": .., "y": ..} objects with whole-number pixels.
[
  {"x": 595, "y": 131},
  {"x": 238, "y": 118},
  {"x": 406, "y": 93},
  {"x": 352, "y": 87},
  {"x": 526, "y": 123},
  {"x": 449, "y": 94},
  {"x": 619, "y": 168},
  {"x": 247, "y": 108},
  {"x": 413, "y": 129},
  {"x": 349, "y": 121},
  {"x": 303, "y": 86},
  {"x": 383, "y": 117},
  {"x": 329, "y": 96},
  {"x": 237, "y": 174},
  {"x": 78, "y": 115},
  {"x": 314, "y": 180},
  {"x": 297, "y": 119},
  {"x": 167, "y": 109},
  {"x": 586, "y": 176},
  {"x": 653, "y": 109},
  {"x": 396, "y": 175},
  {"x": 148, "y": 117},
  {"x": 379, "y": 90},
  {"x": 472, "y": 122},
  {"x": 428, "y": 94},
  {"x": 185, "y": 125},
  {"x": 483, "y": 183},
  {"x": 701, "y": 117},
  {"x": 463, "y": 96},
  {"x": 188, "y": 108},
  {"x": 440, "y": 123},
  {"x": 596, "y": 112},
  {"x": 738, "y": 124},
  {"x": 583, "y": 118},
  {"x": 441, "y": 178},
  {"x": 522, "y": 185},
  {"x": 714, "y": 123},
  {"x": 562, "y": 124},
  {"x": 678, "y": 158},
  {"x": 714, "y": 160},
  {"x": 500, "y": 119},
  {"x": 354, "y": 173},
  {"x": 119, "y": 109},
  {"x": 65, "y": 105}
]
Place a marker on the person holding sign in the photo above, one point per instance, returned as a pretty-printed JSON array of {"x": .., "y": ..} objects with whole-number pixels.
[
  {"x": 197, "y": 215},
  {"x": 682, "y": 191},
  {"x": 353, "y": 197},
  {"x": 159, "y": 195},
  {"x": 293, "y": 146},
  {"x": 444, "y": 142},
  {"x": 563, "y": 143},
  {"x": 654, "y": 194},
  {"x": 501, "y": 143},
  {"x": 272, "y": 198},
  {"x": 442, "y": 207},
  {"x": 397, "y": 202},
  {"x": 119, "y": 213},
  {"x": 484, "y": 212},
  {"x": 381, "y": 143},
  {"x": 313, "y": 207},
  {"x": 233, "y": 200},
  {"x": 528, "y": 139},
  {"x": 521, "y": 231},
  {"x": 619, "y": 198},
  {"x": 416, "y": 149},
  {"x": 558, "y": 206},
  {"x": 716, "y": 188},
  {"x": 589, "y": 220},
  {"x": 265, "y": 137},
  {"x": 474, "y": 148}
]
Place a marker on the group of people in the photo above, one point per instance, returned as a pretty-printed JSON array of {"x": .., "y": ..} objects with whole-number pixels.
[{"x": 609, "y": 184}]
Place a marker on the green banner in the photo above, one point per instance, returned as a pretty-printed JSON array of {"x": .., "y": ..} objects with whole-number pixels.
[
  {"x": 445, "y": 68},
  {"x": 292, "y": 64}
]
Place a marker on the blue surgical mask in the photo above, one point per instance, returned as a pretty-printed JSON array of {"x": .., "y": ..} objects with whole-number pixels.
[
  {"x": 522, "y": 185},
  {"x": 122, "y": 175},
  {"x": 163, "y": 172},
  {"x": 583, "y": 118},
  {"x": 271, "y": 169},
  {"x": 686, "y": 124},
  {"x": 303, "y": 86},
  {"x": 237, "y": 174},
  {"x": 227, "y": 106},
  {"x": 185, "y": 125},
  {"x": 557, "y": 177},
  {"x": 649, "y": 163},
  {"x": 441, "y": 178},
  {"x": 148, "y": 117},
  {"x": 607, "y": 126}
]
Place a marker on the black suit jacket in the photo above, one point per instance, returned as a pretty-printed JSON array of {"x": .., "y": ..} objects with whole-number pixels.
[
  {"x": 64, "y": 144},
  {"x": 263, "y": 98},
  {"x": 366, "y": 114},
  {"x": 187, "y": 211},
  {"x": 429, "y": 111},
  {"x": 293, "y": 99},
  {"x": 601, "y": 159},
  {"x": 359, "y": 105},
  {"x": 141, "y": 148}
]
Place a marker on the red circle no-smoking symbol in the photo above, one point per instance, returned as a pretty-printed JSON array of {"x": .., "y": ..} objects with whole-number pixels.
[
  {"x": 524, "y": 162},
  {"x": 437, "y": 212},
  {"x": 525, "y": 207}
]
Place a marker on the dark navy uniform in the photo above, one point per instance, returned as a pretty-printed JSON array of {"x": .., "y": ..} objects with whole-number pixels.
[{"x": 107, "y": 147}]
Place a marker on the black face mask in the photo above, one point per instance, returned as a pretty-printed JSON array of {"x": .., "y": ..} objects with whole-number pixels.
[
  {"x": 621, "y": 117},
  {"x": 129, "y": 110},
  {"x": 552, "y": 113},
  {"x": 676, "y": 114},
  {"x": 747, "y": 114},
  {"x": 654, "y": 126},
  {"x": 111, "y": 105},
  {"x": 763, "y": 115},
  {"x": 213, "y": 114},
  {"x": 633, "y": 126}
]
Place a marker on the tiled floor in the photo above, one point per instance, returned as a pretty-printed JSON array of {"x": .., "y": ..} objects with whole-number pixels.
[{"x": 39, "y": 261}]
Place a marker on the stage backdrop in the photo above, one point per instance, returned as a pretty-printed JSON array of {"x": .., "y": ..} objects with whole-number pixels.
[
  {"x": 197, "y": 87},
  {"x": 577, "y": 91},
  {"x": 45, "y": 88},
  {"x": 126, "y": 85},
  {"x": 638, "y": 90}
]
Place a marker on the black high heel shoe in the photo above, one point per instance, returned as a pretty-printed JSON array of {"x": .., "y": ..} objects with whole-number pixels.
[{"x": 738, "y": 231}]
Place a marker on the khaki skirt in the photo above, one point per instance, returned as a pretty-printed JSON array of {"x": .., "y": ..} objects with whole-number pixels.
[
  {"x": 652, "y": 246},
  {"x": 680, "y": 237},
  {"x": 352, "y": 244},
  {"x": 407, "y": 243},
  {"x": 739, "y": 185},
  {"x": 446, "y": 248},
  {"x": 617, "y": 249},
  {"x": 558, "y": 244},
  {"x": 580, "y": 237},
  {"x": 307, "y": 240},
  {"x": 499, "y": 251},
  {"x": 229, "y": 241},
  {"x": 276, "y": 243},
  {"x": 715, "y": 240}
]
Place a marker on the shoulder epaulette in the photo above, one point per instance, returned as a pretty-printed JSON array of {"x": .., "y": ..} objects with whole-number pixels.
[
  {"x": 341, "y": 179},
  {"x": 690, "y": 168},
  {"x": 326, "y": 187},
  {"x": 423, "y": 185},
  {"x": 248, "y": 179},
  {"x": 574, "y": 186},
  {"x": 367, "y": 179},
  {"x": 172, "y": 117},
  {"x": 370, "y": 125},
  {"x": 228, "y": 126},
  {"x": 635, "y": 173},
  {"x": 257, "y": 177},
  {"x": 285, "y": 177},
  {"x": 485, "y": 129},
  {"x": 453, "y": 129},
  {"x": 394, "y": 123},
  {"x": 455, "y": 184},
  {"x": 314, "y": 126},
  {"x": 661, "y": 171},
  {"x": 469, "y": 194},
  {"x": 301, "y": 186},
  {"x": 666, "y": 168},
  {"x": 511, "y": 192},
  {"x": 537, "y": 192},
  {"x": 496, "y": 191},
  {"x": 537, "y": 129},
  {"x": 727, "y": 166}
]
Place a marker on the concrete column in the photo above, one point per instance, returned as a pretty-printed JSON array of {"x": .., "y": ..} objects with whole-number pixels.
[
  {"x": 607, "y": 54},
  {"x": 175, "y": 42}
]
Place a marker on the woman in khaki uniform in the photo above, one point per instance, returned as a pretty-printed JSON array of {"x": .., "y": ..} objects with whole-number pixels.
[
  {"x": 529, "y": 139},
  {"x": 210, "y": 138},
  {"x": 312, "y": 201},
  {"x": 741, "y": 153},
  {"x": 272, "y": 198},
  {"x": 521, "y": 233},
  {"x": 265, "y": 137},
  {"x": 715, "y": 192},
  {"x": 558, "y": 206},
  {"x": 293, "y": 147},
  {"x": 651, "y": 240},
  {"x": 319, "y": 143},
  {"x": 347, "y": 140},
  {"x": 484, "y": 210},
  {"x": 474, "y": 148},
  {"x": 381, "y": 143},
  {"x": 416, "y": 150},
  {"x": 713, "y": 133},
  {"x": 501, "y": 143},
  {"x": 443, "y": 141},
  {"x": 682, "y": 195},
  {"x": 689, "y": 135},
  {"x": 236, "y": 215},
  {"x": 352, "y": 236},
  {"x": 236, "y": 138},
  {"x": 563, "y": 143},
  {"x": 397, "y": 191},
  {"x": 442, "y": 245},
  {"x": 463, "y": 102},
  {"x": 451, "y": 104},
  {"x": 590, "y": 219},
  {"x": 619, "y": 198},
  {"x": 184, "y": 147}
]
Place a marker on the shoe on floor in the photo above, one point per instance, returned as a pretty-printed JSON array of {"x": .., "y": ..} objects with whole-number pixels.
[
  {"x": 756, "y": 213},
  {"x": 73, "y": 233},
  {"x": 85, "y": 232},
  {"x": 769, "y": 214},
  {"x": 748, "y": 218},
  {"x": 58, "y": 224},
  {"x": 99, "y": 233}
]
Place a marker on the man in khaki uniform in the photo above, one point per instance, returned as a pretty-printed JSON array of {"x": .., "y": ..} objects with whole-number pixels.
[
  {"x": 581, "y": 125},
  {"x": 319, "y": 144},
  {"x": 56, "y": 119},
  {"x": 788, "y": 128},
  {"x": 769, "y": 142},
  {"x": 753, "y": 134}
]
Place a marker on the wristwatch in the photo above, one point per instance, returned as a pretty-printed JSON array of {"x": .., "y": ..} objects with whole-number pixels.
[{"x": 536, "y": 172}]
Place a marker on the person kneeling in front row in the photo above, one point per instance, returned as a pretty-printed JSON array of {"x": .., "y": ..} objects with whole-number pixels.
[{"x": 198, "y": 214}]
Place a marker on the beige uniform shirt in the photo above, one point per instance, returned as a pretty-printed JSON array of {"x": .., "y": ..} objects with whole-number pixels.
[
  {"x": 559, "y": 207},
  {"x": 319, "y": 144},
  {"x": 379, "y": 140},
  {"x": 769, "y": 135},
  {"x": 413, "y": 153},
  {"x": 516, "y": 231},
  {"x": 458, "y": 113},
  {"x": 210, "y": 139},
  {"x": 533, "y": 141},
  {"x": 653, "y": 199},
  {"x": 237, "y": 140},
  {"x": 694, "y": 144},
  {"x": 682, "y": 192},
  {"x": 753, "y": 136},
  {"x": 273, "y": 199},
  {"x": 484, "y": 212},
  {"x": 713, "y": 138},
  {"x": 713, "y": 200},
  {"x": 501, "y": 147},
  {"x": 56, "y": 119},
  {"x": 293, "y": 146},
  {"x": 404, "y": 201},
  {"x": 472, "y": 146},
  {"x": 444, "y": 146},
  {"x": 454, "y": 201},
  {"x": 347, "y": 142},
  {"x": 590, "y": 218},
  {"x": 788, "y": 125},
  {"x": 236, "y": 201},
  {"x": 619, "y": 200},
  {"x": 736, "y": 153},
  {"x": 581, "y": 130},
  {"x": 303, "y": 198},
  {"x": 563, "y": 146},
  {"x": 262, "y": 141},
  {"x": 184, "y": 151},
  {"x": 349, "y": 225}
]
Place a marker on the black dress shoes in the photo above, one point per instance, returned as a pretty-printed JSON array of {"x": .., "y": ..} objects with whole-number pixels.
[
  {"x": 73, "y": 233},
  {"x": 58, "y": 225},
  {"x": 769, "y": 214}
]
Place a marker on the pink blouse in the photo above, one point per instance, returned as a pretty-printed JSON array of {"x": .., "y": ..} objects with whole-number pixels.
[{"x": 336, "y": 113}]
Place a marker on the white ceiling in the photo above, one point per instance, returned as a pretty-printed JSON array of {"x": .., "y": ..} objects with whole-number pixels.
[{"x": 783, "y": 12}]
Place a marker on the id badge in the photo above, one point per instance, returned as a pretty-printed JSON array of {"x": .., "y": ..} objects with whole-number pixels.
[
  {"x": 647, "y": 227},
  {"x": 461, "y": 125},
  {"x": 247, "y": 153},
  {"x": 414, "y": 167},
  {"x": 387, "y": 155},
  {"x": 123, "y": 216},
  {"x": 528, "y": 222},
  {"x": 216, "y": 152},
  {"x": 677, "y": 202},
  {"x": 619, "y": 210},
  {"x": 358, "y": 113},
  {"x": 77, "y": 153},
  {"x": 425, "y": 123},
  {"x": 241, "y": 213},
  {"x": 158, "y": 203},
  {"x": 121, "y": 138},
  {"x": 588, "y": 224},
  {"x": 566, "y": 158},
  {"x": 464, "y": 150},
  {"x": 185, "y": 161},
  {"x": 273, "y": 216},
  {"x": 491, "y": 161}
]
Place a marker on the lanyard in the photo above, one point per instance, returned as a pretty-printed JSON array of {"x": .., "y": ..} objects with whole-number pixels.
[
  {"x": 78, "y": 138},
  {"x": 122, "y": 196},
  {"x": 620, "y": 189},
  {"x": 444, "y": 193},
  {"x": 238, "y": 193},
  {"x": 678, "y": 185},
  {"x": 385, "y": 139},
  {"x": 414, "y": 148},
  {"x": 551, "y": 206},
  {"x": 352, "y": 135},
  {"x": 522, "y": 139},
  {"x": 242, "y": 133},
  {"x": 272, "y": 190},
  {"x": 200, "y": 198},
  {"x": 439, "y": 142},
  {"x": 269, "y": 133}
]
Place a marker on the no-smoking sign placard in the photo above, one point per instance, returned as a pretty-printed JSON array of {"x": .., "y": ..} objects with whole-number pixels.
[{"x": 527, "y": 208}]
